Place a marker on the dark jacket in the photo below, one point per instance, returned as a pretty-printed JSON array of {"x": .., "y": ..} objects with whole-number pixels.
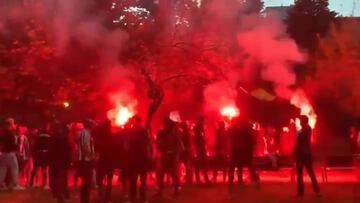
[
  {"x": 137, "y": 149},
  {"x": 185, "y": 138},
  {"x": 186, "y": 141},
  {"x": 118, "y": 152},
  {"x": 199, "y": 140},
  {"x": 169, "y": 142},
  {"x": 303, "y": 142},
  {"x": 243, "y": 142},
  {"x": 106, "y": 145},
  {"x": 8, "y": 141},
  {"x": 60, "y": 151},
  {"x": 41, "y": 143},
  {"x": 221, "y": 145}
]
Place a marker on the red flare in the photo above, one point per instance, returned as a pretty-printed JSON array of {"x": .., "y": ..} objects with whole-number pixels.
[{"x": 230, "y": 112}]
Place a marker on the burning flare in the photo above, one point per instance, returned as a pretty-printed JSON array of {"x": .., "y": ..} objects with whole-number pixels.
[
  {"x": 123, "y": 111},
  {"x": 300, "y": 100},
  {"x": 230, "y": 112},
  {"x": 66, "y": 104},
  {"x": 120, "y": 115}
]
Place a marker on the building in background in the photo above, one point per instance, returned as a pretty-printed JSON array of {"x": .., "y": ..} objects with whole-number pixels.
[{"x": 280, "y": 11}]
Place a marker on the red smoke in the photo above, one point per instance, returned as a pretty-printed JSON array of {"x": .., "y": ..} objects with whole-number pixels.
[
  {"x": 258, "y": 40},
  {"x": 220, "y": 100},
  {"x": 266, "y": 42}
]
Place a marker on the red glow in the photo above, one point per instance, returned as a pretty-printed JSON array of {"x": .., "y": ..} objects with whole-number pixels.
[
  {"x": 230, "y": 112},
  {"x": 286, "y": 129},
  {"x": 300, "y": 100},
  {"x": 175, "y": 116},
  {"x": 122, "y": 115},
  {"x": 66, "y": 104},
  {"x": 123, "y": 111}
]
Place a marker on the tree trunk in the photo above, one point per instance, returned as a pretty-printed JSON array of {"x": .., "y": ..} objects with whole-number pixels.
[{"x": 156, "y": 95}]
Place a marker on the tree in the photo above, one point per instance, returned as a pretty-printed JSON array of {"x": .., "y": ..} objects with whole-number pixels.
[
  {"x": 308, "y": 20},
  {"x": 167, "y": 47},
  {"x": 338, "y": 67},
  {"x": 157, "y": 44}
]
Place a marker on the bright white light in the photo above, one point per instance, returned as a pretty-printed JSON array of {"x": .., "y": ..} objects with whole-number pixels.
[
  {"x": 137, "y": 11},
  {"x": 122, "y": 116},
  {"x": 198, "y": 2},
  {"x": 230, "y": 111},
  {"x": 175, "y": 116},
  {"x": 119, "y": 20},
  {"x": 113, "y": 5},
  {"x": 66, "y": 104}
]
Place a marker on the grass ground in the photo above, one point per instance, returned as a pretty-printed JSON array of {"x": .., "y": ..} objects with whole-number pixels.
[
  {"x": 275, "y": 187},
  {"x": 217, "y": 193}
]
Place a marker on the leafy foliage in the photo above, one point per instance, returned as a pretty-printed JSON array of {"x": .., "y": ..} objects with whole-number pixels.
[{"x": 308, "y": 20}]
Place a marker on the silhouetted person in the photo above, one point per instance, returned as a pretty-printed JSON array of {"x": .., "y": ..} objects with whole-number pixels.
[
  {"x": 220, "y": 151},
  {"x": 272, "y": 146},
  {"x": 242, "y": 146},
  {"x": 75, "y": 129},
  {"x": 138, "y": 158},
  {"x": 121, "y": 140},
  {"x": 353, "y": 140},
  {"x": 186, "y": 154},
  {"x": 23, "y": 153},
  {"x": 108, "y": 151},
  {"x": 41, "y": 155},
  {"x": 8, "y": 159},
  {"x": 60, "y": 159},
  {"x": 303, "y": 156},
  {"x": 169, "y": 145},
  {"x": 32, "y": 133},
  {"x": 200, "y": 149},
  {"x": 86, "y": 159}
]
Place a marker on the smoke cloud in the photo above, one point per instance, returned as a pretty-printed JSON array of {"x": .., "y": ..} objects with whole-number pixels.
[
  {"x": 266, "y": 53},
  {"x": 69, "y": 21},
  {"x": 261, "y": 43},
  {"x": 265, "y": 42}
]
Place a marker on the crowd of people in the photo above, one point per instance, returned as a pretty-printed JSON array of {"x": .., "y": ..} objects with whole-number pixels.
[{"x": 96, "y": 150}]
